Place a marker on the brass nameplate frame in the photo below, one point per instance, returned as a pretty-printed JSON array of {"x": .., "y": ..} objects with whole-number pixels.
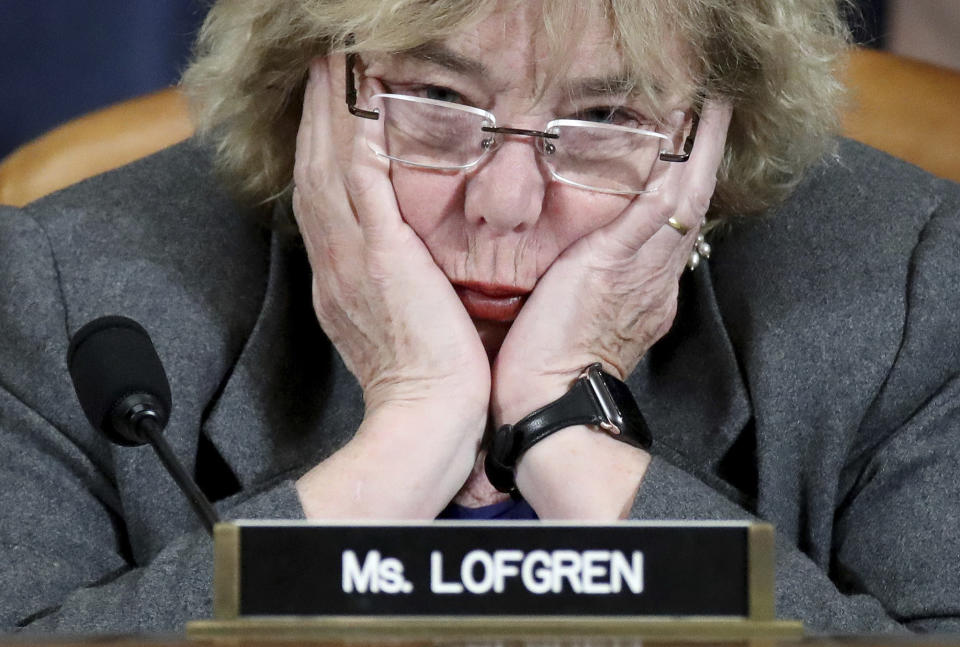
[{"x": 359, "y": 581}]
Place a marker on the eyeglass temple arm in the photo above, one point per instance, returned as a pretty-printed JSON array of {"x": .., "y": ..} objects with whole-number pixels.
[
  {"x": 687, "y": 144},
  {"x": 351, "y": 87}
]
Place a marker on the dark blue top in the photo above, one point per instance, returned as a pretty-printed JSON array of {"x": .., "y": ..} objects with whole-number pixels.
[{"x": 515, "y": 509}]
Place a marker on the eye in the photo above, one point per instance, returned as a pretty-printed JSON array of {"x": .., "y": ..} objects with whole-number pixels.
[
  {"x": 426, "y": 91},
  {"x": 440, "y": 93},
  {"x": 617, "y": 115}
]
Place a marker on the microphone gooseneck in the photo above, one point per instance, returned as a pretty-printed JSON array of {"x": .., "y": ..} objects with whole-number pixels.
[
  {"x": 124, "y": 392},
  {"x": 152, "y": 430}
]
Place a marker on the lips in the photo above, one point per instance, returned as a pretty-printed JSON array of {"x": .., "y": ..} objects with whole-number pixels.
[{"x": 490, "y": 301}]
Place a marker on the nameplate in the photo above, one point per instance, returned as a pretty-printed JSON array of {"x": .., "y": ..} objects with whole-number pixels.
[{"x": 721, "y": 570}]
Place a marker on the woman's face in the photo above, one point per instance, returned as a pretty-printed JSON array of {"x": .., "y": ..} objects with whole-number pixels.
[{"x": 496, "y": 228}]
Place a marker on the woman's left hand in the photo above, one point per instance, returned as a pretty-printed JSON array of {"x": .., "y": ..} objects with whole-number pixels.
[{"x": 607, "y": 298}]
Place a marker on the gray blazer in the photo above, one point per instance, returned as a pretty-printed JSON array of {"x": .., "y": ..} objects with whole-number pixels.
[{"x": 812, "y": 379}]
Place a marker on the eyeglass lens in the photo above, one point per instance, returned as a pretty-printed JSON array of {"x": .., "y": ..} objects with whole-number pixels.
[{"x": 440, "y": 137}]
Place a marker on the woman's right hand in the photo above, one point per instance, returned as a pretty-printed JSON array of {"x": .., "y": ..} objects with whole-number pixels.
[{"x": 394, "y": 318}]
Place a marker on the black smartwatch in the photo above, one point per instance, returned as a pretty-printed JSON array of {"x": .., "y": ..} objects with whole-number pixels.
[{"x": 596, "y": 398}]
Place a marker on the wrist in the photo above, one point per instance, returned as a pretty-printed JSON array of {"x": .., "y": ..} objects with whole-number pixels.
[
  {"x": 402, "y": 463},
  {"x": 516, "y": 395},
  {"x": 515, "y": 400},
  {"x": 442, "y": 424},
  {"x": 421, "y": 405},
  {"x": 598, "y": 407},
  {"x": 581, "y": 473}
]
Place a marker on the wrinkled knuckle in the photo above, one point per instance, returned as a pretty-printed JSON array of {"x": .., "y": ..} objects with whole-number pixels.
[{"x": 647, "y": 301}]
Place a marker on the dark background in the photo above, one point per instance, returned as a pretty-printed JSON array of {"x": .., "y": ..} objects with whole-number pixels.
[
  {"x": 63, "y": 58},
  {"x": 868, "y": 21}
]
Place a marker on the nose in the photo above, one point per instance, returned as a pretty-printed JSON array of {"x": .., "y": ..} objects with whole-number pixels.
[{"x": 506, "y": 192}]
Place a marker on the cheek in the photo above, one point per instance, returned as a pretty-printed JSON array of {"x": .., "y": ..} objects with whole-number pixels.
[
  {"x": 427, "y": 198},
  {"x": 574, "y": 212},
  {"x": 432, "y": 204}
]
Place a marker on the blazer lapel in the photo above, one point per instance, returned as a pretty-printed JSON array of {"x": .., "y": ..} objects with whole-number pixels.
[
  {"x": 689, "y": 385},
  {"x": 290, "y": 401}
]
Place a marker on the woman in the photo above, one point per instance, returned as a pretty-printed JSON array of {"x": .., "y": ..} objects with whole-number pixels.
[{"x": 510, "y": 199}]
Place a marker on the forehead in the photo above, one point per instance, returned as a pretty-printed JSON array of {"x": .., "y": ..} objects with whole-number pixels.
[
  {"x": 571, "y": 49},
  {"x": 513, "y": 43}
]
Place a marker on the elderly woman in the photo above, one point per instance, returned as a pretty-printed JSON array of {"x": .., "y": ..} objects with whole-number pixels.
[{"x": 446, "y": 221}]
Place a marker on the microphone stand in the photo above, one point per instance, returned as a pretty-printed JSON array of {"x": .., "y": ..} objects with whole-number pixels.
[{"x": 147, "y": 424}]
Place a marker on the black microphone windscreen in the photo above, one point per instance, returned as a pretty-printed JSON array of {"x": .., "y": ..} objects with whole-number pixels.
[{"x": 110, "y": 359}]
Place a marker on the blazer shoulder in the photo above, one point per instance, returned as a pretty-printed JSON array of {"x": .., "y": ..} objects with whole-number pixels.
[
  {"x": 160, "y": 241},
  {"x": 816, "y": 293},
  {"x": 164, "y": 221},
  {"x": 866, "y": 178},
  {"x": 176, "y": 190},
  {"x": 855, "y": 218}
]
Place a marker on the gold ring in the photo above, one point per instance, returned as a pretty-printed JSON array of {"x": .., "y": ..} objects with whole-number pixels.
[{"x": 675, "y": 224}]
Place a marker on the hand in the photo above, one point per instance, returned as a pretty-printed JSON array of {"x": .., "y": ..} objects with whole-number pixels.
[
  {"x": 389, "y": 310},
  {"x": 607, "y": 298}
]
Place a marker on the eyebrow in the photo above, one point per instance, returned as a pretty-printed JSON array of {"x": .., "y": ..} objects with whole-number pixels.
[
  {"x": 440, "y": 54},
  {"x": 437, "y": 53},
  {"x": 618, "y": 84}
]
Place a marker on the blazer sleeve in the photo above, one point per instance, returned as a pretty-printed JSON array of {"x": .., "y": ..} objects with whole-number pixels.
[
  {"x": 65, "y": 560},
  {"x": 896, "y": 531}
]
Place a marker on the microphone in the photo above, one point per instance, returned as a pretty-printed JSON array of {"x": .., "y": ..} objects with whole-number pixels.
[{"x": 124, "y": 392}]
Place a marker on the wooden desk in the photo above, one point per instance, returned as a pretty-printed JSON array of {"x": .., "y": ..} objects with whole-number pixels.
[{"x": 481, "y": 641}]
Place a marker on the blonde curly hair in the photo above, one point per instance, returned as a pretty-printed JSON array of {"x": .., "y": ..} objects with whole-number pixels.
[{"x": 775, "y": 60}]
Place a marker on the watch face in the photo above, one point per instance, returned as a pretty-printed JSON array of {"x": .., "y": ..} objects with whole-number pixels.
[
  {"x": 629, "y": 419},
  {"x": 614, "y": 414},
  {"x": 630, "y": 416},
  {"x": 603, "y": 399}
]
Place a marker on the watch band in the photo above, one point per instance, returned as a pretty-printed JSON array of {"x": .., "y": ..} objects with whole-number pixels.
[{"x": 596, "y": 398}]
